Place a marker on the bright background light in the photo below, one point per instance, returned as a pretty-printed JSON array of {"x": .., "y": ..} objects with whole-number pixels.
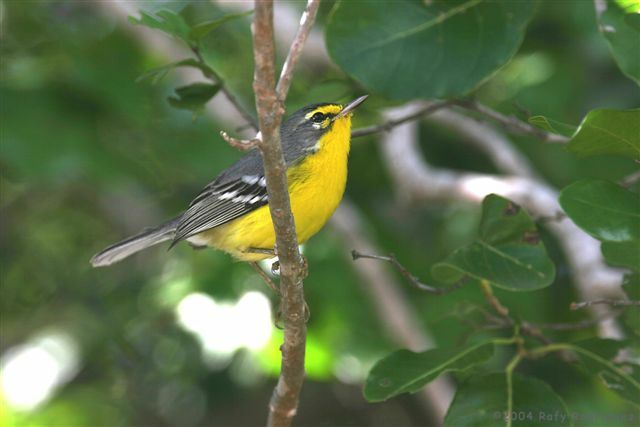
[
  {"x": 30, "y": 373},
  {"x": 223, "y": 327}
]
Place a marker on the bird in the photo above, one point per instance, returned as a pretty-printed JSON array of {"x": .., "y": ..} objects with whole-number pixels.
[{"x": 231, "y": 213}]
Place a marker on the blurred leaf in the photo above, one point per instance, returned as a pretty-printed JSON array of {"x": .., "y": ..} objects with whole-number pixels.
[
  {"x": 408, "y": 49},
  {"x": 631, "y": 287},
  {"x": 622, "y": 254},
  {"x": 482, "y": 401},
  {"x": 406, "y": 372},
  {"x": 552, "y": 126},
  {"x": 625, "y": 385},
  {"x": 608, "y": 132},
  {"x": 622, "y": 31},
  {"x": 603, "y": 209},
  {"x": 159, "y": 73},
  {"x": 166, "y": 21},
  {"x": 604, "y": 347},
  {"x": 509, "y": 253},
  {"x": 194, "y": 97},
  {"x": 629, "y": 6},
  {"x": 200, "y": 30}
]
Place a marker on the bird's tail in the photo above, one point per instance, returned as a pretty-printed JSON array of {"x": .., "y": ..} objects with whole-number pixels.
[{"x": 121, "y": 250}]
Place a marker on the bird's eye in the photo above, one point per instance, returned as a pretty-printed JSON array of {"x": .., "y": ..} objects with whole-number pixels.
[{"x": 318, "y": 118}]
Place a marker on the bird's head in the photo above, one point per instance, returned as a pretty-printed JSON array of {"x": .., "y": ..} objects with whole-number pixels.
[{"x": 307, "y": 126}]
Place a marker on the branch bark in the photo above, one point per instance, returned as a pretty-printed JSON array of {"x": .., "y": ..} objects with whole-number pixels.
[
  {"x": 424, "y": 110},
  {"x": 306, "y": 22},
  {"x": 511, "y": 123},
  {"x": 416, "y": 179},
  {"x": 293, "y": 269}
]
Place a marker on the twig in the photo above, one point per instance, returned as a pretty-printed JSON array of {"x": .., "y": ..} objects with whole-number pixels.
[
  {"x": 398, "y": 317},
  {"x": 306, "y": 22},
  {"x": 413, "y": 280},
  {"x": 240, "y": 144},
  {"x": 493, "y": 301},
  {"x": 611, "y": 302},
  {"x": 511, "y": 123},
  {"x": 525, "y": 327},
  {"x": 573, "y": 326},
  {"x": 223, "y": 87},
  {"x": 427, "y": 109}
]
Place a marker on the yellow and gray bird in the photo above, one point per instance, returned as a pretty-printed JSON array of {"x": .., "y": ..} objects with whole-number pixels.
[{"x": 232, "y": 213}]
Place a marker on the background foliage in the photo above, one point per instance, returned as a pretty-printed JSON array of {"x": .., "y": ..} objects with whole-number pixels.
[{"x": 91, "y": 152}]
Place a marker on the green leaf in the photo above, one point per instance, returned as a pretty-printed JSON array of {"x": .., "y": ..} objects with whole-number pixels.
[
  {"x": 482, "y": 401},
  {"x": 164, "y": 20},
  {"x": 194, "y": 97},
  {"x": 631, "y": 285},
  {"x": 604, "y": 347},
  {"x": 552, "y": 126},
  {"x": 508, "y": 254},
  {"x": 159, "y": 73},
  {"x": 409, "y": 49},
  {"x": 622, "y": 254},
  {"x": 622, "y": 32},
  {"x": 608, "y": 132},
  {"x": 200, "y": 30},
  {"x": 406, "y": 372},
  {"x": 624, "y": 384},
  {"x": 603, "y": 209}
]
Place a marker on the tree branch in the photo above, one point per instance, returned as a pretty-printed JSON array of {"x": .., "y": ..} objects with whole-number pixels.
[
  {"x": 426, "y": 109},
  {"x": 611, "y": 302},
  {"x": 512, "y": 124},
  {"x": 240, "y": 144},
  {"x": 306, "y": 23},
  {"x": 413, "y": 280},
  {"x": 270, "y": 107},
  {"x": 416, "y": 179}
]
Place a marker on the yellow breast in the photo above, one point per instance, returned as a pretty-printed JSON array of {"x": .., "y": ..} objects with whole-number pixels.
[{"x": 316, "y": 186}]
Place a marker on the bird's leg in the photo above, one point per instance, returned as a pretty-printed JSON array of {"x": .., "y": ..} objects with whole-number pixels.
[
  {"x": 275, "y": 267},
  {"x": 265, "y": 277},
  {"x": 263, "y": 251},
  {"x": 267, "y": 280}
]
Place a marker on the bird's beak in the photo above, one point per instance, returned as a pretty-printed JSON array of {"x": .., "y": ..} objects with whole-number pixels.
[{"x": 351, "y": 106}]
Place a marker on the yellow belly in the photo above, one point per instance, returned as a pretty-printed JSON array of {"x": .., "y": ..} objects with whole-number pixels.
[{"x": 316, "y": 187}]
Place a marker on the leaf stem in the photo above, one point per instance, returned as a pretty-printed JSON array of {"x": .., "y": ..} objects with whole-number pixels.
[{"x": 509, "y": 377}]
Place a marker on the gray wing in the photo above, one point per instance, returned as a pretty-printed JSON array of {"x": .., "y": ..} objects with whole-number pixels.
[
  {"x": 240, "y": 189},
  {"x": 237, "y": 191}
]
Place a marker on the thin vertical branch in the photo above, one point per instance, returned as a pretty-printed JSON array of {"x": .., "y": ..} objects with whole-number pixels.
[
  {"x": 270, "y": 107},
  {"x": 306, "y": 22}
]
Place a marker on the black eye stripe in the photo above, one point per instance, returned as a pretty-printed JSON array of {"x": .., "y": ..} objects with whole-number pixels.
[{"x": 318, "y": 117}]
